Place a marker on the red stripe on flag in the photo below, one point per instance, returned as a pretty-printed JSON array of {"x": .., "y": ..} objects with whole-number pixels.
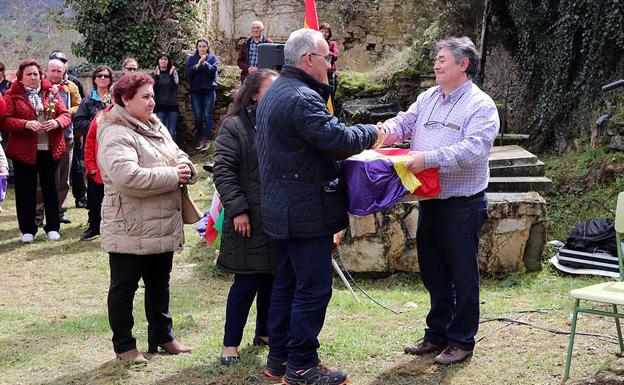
[
  {"x": 311, "y": 18},
  {"x": 311, "y": 21}
]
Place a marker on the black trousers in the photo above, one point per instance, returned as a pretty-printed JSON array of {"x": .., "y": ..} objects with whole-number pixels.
[
  {"x": 77, "y": 174},
  {"x": 95, "y": 195},
  {"x": 126, "y": 271},
  {"x": 242, "y": 294},
  {"x": 26, "y": 193},
  {"x": 448, "y": 249}
]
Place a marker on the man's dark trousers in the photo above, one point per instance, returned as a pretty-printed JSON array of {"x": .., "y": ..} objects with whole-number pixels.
[
  {"x": 79, "y": 189},
  {"x": 448, "y": 248},
  {"x": 301, "y": 291}
]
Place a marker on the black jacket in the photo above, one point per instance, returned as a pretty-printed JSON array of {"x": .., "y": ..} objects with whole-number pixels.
[
  {"x": 165, "y": 92},
  {"x": 299, "y": 144},
  {"x": 237, "y": 181},
  {"x": 86, "y": 112}
]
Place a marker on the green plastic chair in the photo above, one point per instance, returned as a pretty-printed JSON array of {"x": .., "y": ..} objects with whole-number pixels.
[{"x": 609, "y": 292}]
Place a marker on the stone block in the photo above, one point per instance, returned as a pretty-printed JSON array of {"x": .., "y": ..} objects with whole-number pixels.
[
  {"x": 361, "y": 225},
  {"x": 510, "y": 225},
  {"x": 364, "y": 255},
  {"x": 407, "y": 261},
  {"x": 371, "y": 39},
  {"x": 411, "y": 224},
  {"x": 512, "y": 239}
]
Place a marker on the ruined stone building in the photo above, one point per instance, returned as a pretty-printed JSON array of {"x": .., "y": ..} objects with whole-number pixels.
[{"x": 365, "y": 30}]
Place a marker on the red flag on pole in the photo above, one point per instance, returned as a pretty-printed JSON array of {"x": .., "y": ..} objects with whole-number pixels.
[
  {"x": 311, "y": 21},
  {"x": 311, "y": 18}
]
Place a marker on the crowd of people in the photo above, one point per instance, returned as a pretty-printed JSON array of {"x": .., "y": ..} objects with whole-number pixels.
[{"x": 277, "y": 170}]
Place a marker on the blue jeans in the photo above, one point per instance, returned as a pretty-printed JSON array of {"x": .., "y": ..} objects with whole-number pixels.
[
  {"x": 202, "y": 109},
  {"x": 170, "y": 120},
  {"x": 448, "y": 248},
  {"x": 245, "y": 288},
  {"x": 302, "y": 289}
]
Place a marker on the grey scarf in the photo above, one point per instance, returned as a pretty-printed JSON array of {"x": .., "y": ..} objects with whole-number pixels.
[{"x": 35, "y": 98}]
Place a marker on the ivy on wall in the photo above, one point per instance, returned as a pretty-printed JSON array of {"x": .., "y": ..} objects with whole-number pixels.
[
  {"x": 566, "y": 50},
  {"x": 114, "y": 29}
]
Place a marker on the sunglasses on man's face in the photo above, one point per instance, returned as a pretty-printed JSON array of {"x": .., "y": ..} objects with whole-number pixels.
[
  {"x": 102, "y": 76},
  {"x": 131, "y": 69}
]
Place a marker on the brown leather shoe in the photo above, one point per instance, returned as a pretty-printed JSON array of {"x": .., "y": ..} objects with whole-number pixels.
[
  {"x": 173, "y": 347},
  {"x": 133, "y": 357},
  {"x": 452, "y": 355},
  {"x": 424, "y": 347}
]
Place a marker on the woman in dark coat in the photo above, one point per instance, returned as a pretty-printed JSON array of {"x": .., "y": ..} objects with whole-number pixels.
[
  {"x": 245, "y": 248},
  {"x": 100, "y": 98},
  {"x": 166, "y": 82}
]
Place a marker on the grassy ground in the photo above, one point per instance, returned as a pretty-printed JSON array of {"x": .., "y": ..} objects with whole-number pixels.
[{"x": 54, "y": 328}]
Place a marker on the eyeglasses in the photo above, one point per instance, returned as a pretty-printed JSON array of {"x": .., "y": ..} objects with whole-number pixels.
[
  {"x": 131, "y": 69},
  {"x": 328, "y": 57},
  {"x": 102, "y": 76},
  {"x": 434, "y": 124}
]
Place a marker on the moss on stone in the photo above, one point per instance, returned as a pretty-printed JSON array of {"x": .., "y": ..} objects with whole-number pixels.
[
  {"x": 358, "y": 84},
  {"x": 229, "y": 76}
]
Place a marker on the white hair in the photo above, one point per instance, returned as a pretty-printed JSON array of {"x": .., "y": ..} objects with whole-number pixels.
[
  {"x": 299, "y": 43},
  {"x": 57, "y": 62},
  {"x": 258, "y": 23}
]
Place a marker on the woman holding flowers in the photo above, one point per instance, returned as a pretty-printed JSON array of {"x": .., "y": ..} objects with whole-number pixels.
[{"x": 35, "y": 119}]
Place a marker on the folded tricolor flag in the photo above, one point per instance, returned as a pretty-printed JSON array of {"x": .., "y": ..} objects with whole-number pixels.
[
  {"x": 214, "y": 227},
  {"x": 377, "y": 179}
]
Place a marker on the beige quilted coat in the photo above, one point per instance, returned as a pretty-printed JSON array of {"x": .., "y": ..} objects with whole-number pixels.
[{"x": 141, "y": 207}]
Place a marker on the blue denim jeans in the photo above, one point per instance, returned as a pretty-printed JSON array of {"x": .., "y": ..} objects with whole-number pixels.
[
  {"x": 170, "y": 120},
  {"x": 302, "y": 289},
  {"x": 203, "y": 105},
  {"x": 448, "y": 248}
]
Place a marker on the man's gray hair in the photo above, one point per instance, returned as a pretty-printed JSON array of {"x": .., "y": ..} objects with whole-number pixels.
[
  {"x": 55, "y": 61},
  {"x": 461, "y": 47},
  {"x": 299, "y": 43}
]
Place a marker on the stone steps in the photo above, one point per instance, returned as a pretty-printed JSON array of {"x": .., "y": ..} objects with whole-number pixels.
[
  {"x": 539, "y": 184},
  {"x": 509, "y": 139},
  {"x": 536, "y": 169},
  {"x": 514, "y": 169},
  {"x": 504, "y": 156}
]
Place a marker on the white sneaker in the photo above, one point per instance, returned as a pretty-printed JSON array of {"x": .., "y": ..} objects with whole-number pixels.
[
  {"x": 53, "y": 235},
  {"x": 28, "y": 238}
]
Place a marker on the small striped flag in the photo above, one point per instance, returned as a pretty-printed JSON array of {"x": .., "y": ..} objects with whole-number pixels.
[{"x": 214, "y": 227}]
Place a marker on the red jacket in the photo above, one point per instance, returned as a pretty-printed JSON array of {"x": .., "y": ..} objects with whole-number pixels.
[
  {"x": 91, "y": 149},
  {"x": 22, "y": 145},
  {"x": 333, "y": 50},
  {"x": 2, "y": 107}
]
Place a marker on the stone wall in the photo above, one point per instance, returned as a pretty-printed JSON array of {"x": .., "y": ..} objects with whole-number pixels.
[
  {"x": 366, "y": 31},
  {"x": 186, "y": 135},
  {"x": 501, "y": 69},
  {"x": 512, "y": 240}
]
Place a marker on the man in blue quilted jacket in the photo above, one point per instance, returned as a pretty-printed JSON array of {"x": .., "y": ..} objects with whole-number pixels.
[{"x": 303, "y": 203}]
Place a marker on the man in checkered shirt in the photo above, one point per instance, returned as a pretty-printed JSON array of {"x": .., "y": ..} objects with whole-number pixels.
[
  {"x": 248, "y": 51},
  {"x": 452, "y": 127}
]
